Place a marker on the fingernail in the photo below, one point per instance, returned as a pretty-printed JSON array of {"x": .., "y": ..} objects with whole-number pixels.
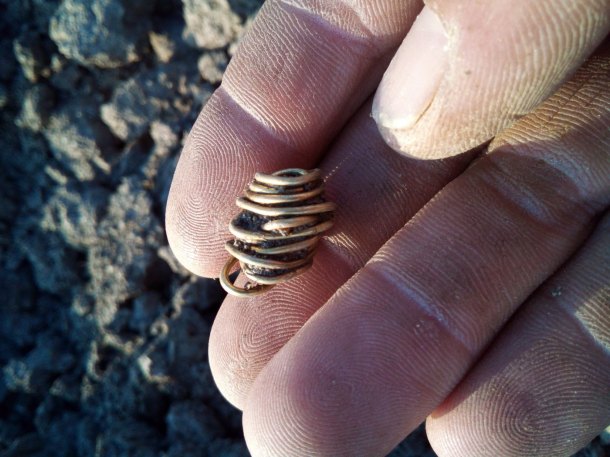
[{"x": 412, "y": 79}]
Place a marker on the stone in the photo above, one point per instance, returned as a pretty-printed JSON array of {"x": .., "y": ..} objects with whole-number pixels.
[
  {"x": 35, "y": 108},
  {"x": 56, "y": 267},
  {"x": 151, "y": 97},
  {"x": 124, "y": 258},
  {"x": 164, "y": 135},
  {"x": 210, "y": 24},
  {"x": 99, "y": 33},
  {"x": 32, "y": 55},
  {"x": 74, "y": 212},
  {"x": 79, "y": 141},
  {"x": 67, "y": 74},
  {"x": 212, "y": 65},
  {"x": 163, "y": 46}
]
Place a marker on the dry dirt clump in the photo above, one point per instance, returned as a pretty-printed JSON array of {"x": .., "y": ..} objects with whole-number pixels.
[{"x": 103, "y": 334}]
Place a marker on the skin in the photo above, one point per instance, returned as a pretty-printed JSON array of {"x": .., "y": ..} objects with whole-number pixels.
[{"x": 471, "y": 290}]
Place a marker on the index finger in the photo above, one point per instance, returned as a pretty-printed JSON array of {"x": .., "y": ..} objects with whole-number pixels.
[{"x": 299, "y": 74}]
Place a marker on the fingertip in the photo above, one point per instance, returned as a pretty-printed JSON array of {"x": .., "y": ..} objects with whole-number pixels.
[
  {"x": 414, "y": 113},
  {"x": 227, "y": 367},
  {"x": 412, "y": 78},
  {"x": 192, "y": 233},
  {"x": 467, "y": 72}
]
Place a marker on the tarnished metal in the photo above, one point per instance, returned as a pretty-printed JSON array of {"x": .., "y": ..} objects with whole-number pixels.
[{"x": 277, "y": 231}]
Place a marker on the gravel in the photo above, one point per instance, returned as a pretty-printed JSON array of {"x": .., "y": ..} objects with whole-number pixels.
[{"x": 103, "y": 333}]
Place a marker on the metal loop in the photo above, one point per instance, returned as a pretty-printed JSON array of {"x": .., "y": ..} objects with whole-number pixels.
[
  {"x": 277, "y": 232},
  {"x": 232, "y": 289}
]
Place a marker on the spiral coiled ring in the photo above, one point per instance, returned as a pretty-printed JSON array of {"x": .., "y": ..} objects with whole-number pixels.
[{"x": 277, "y": 231}]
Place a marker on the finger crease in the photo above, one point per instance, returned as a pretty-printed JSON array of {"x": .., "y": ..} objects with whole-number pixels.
[
  {"x": 368, "y": 40},
  {"x": 567, "y": 308},
  {"x": 423, "y": 303},
  {"x": 258, "y": 121}
]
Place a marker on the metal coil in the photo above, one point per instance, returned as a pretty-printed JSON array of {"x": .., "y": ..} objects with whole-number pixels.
[{"x": 277, "y": 231}]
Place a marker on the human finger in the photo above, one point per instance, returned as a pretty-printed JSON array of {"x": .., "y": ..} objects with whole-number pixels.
[
  {"x": 376, "y": 192},
  {"x": 299, "y": 74},
  {"x": 466, "y": 70},
  {"x": 544, "y": 386},
  {"x": 392, "y": 343}
]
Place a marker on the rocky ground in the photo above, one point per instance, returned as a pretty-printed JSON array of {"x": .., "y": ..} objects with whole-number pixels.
[{"x": 102, "y": 334}]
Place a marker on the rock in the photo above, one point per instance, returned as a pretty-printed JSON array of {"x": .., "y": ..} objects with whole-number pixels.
[
  {"x": 56, "y": 267},
  {"x": 67, "y": 387},
  {"x": 151, "y": 97},
  {"x": 163, "y": 135},
  {"x": 210, "y": 24},
  {"x": 124, "y": 259},
  {"x": 35, "y": 373},
  {"x": 122, "y": 390},
  {"x": 74, "y": 212},
  {"x": 100, "y": 33},
  {"x": 35, "y": 108},
  {"x": 17, "y": 376},
  {"x": 135, "y": 103},
  {"x": 67, "y": 75},
  {"x": 79, "y": 141},
  {"x": 32, "y": 55},
  {"x": 179, "y": 336},
  {"x": 166, "y": 37},
  {"x": 212, "y": 65},
  {"x": 162, "y": 45}
]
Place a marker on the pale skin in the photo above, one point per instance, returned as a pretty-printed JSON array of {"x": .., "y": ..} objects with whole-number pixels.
[{"x": 471, "y": 292}]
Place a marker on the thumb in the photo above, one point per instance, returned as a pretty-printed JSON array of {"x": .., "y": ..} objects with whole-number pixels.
[{"x": 466, "y": 70}]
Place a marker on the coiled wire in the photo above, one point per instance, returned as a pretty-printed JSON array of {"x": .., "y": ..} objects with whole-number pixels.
[{"x": 277, "y": 231}]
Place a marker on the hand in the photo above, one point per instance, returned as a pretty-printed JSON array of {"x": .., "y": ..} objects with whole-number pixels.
[{"x": 465, "y": 290}]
